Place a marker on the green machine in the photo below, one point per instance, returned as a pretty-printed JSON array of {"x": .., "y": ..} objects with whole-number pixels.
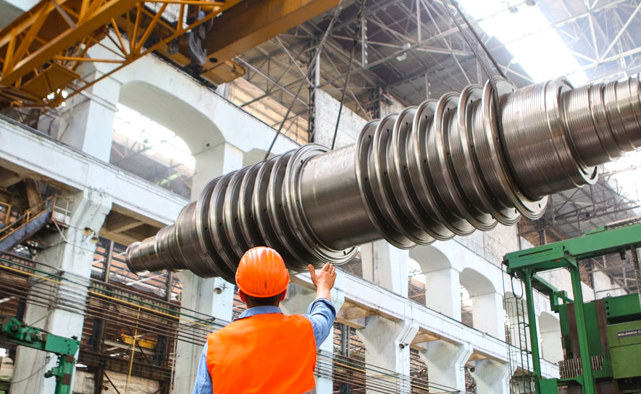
[
  {"x": 604, "y": 335},
  {"x": 12, "y": 330}
]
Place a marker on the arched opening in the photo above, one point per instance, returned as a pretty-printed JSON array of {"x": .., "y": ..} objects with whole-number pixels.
[
  {"x": 416, "y": 282},
  {"x": 151, "y": 151},
  {"x": 196, "y": 129},
  {"x": 484, "y": 301},
  {"x": 430, "y": 273},
  {"x": 467, "y": 313}
]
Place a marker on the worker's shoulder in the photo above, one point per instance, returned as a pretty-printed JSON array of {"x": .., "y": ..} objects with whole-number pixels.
[
  {"x": 279, "y": 319},
  {"x": 298, "y": 318},
  {"x": 261, "y": 323}
]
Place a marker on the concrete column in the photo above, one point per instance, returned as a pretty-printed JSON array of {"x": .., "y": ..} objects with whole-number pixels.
[
  {"x": 487, "y": 314},
  {"x": 491, "y": 377},
  {"x": 214, "y": 161},
  {"x": 385, "y": 266},
  {"x": 446, "y": 363},
  {"x": 442, "y": 292},
  {"x": 70, "y": 255},
  {"x": 198, "y": 293},
  {"x": 387, "y": 345},
  {"x": 297, "y": 300},
  {"x": 88, "y": 124}
]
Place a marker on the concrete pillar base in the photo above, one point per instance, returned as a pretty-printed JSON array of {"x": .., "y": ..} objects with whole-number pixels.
[
  {"x": 446, "y": 363},
  {"x": 487, "y": 314},
  {"x": 387, "y": 345},
  {"x": 491, "y": 377}
]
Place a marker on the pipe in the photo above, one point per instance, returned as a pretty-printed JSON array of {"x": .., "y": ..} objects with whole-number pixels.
[{"x": 443, "y": 168}]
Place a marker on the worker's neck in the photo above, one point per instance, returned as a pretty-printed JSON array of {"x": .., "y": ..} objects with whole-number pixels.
[{"x": 253, "y": 304}]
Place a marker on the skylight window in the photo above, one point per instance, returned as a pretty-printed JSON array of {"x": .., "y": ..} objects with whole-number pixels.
[
  {"x": 626, "y": 174},
  {"x": 527, "y": 34}
]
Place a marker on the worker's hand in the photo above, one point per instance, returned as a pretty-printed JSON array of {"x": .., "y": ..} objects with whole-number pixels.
[{"x": 323, "y": 279}]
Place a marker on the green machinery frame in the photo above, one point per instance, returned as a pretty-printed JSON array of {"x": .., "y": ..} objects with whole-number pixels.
[
  {"x": 567, "y": 254},
  {"x": 12, "y": 330}
]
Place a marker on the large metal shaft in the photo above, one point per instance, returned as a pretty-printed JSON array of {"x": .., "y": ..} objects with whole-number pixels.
[{"x": 444, "y": 168}]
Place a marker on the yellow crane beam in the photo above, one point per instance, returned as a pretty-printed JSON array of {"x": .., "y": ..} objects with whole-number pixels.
[
  {"x": 255, "y": 21},
  {"x": 247, "y": 25},
  {"x": 42, "y": 52}
]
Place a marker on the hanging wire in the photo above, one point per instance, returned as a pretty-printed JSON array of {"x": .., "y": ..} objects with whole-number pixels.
[
  {"x": 305, "y": 80},
  {"x": 484, "y": 61},
  {"x": 513, "y": 292},
  {"x": 39, "y": 370},
  {"x": 357, "y": 32},
  {"x": 451, "y": 6}
]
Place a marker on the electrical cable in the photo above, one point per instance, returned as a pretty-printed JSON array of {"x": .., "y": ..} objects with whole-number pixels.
[
  {"x": 316, "y": 56},
  {"x": 150, "y": 322},
  {"x": 477, "y": 39},
  {"x": 483, "y": 60},
  {"x": 33, "y": 374},
  {"x": 35, "y": 296},
  {"x": 349, "y": 71}
]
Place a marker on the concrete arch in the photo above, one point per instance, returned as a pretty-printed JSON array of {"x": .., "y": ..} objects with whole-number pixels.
[
  {"x": 430, "y": 258},
  {"x": 487, "y": 305},
  {"x": 441, "y": 280},
  {"x": 208, "y": 118},
  {"x": 167, "y": 109},
  {"x": 476, "y": 283},
  {"x": 459, "y": 257}
]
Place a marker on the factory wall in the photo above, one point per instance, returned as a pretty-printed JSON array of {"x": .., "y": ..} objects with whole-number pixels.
[{"x": 326, "y": 113}]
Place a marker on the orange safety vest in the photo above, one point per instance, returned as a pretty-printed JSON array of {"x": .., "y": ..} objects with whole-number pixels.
[{"x": 268, "y": 353}]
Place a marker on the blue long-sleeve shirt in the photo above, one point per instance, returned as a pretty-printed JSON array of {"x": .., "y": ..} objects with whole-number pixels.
[{"x": 320, "y": 312}]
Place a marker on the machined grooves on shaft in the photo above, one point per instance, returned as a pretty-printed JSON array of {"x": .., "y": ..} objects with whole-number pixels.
[{"x": 443, "y": 168}]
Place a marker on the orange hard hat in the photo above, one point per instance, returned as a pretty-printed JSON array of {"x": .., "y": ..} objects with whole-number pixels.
[{"x": 262, "y": 273}]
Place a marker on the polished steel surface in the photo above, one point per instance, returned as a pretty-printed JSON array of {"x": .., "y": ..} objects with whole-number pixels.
[{"x": 443, "y": 168}]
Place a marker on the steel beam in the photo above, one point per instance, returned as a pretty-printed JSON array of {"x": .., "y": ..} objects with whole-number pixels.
[{"x": 253, "y": 22}]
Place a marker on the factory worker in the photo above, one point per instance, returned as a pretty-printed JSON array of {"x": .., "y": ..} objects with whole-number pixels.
[{"x": 265, "y": 351}]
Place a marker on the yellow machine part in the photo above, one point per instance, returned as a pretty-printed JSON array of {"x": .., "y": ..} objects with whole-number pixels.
[{"x": 142, "y": 342}]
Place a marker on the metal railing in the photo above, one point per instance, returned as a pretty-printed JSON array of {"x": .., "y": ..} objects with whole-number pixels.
[{"x": 58, "y": 206}]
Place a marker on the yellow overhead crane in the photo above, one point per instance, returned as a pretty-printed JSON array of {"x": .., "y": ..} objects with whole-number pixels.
[{"x": 42, "y": 52}]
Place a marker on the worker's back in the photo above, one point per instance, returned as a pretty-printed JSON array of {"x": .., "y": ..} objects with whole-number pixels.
[{"x": 264, "y": 353}]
